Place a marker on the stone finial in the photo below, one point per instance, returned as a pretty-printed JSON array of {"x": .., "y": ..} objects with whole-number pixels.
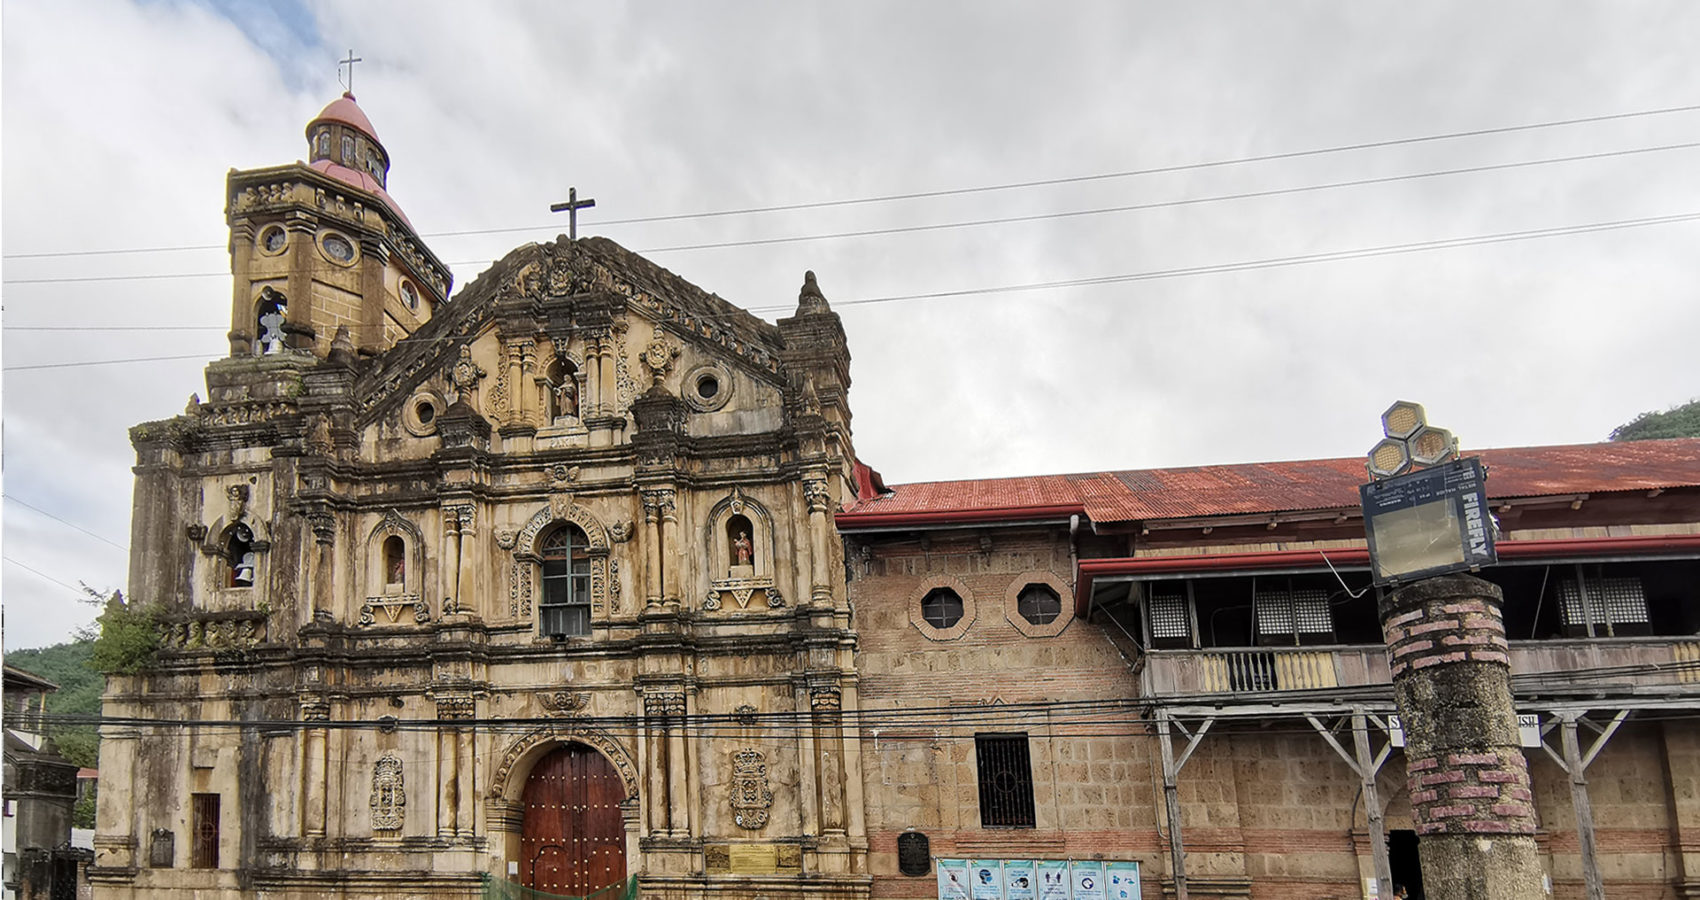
[
  {"x": 342, "y": 346},
  {"x": 810, "y": 299}
]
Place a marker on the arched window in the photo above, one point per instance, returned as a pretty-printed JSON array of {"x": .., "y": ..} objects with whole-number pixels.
[
  {"x": 239, "y": 553},
  {"x": 740, "y": 541},
  {"x": 268, "y": 320},
  {"x": 565, "y": 608},
  {"x": 322, "y": 144},
  {"x": 395, "y": 562}
]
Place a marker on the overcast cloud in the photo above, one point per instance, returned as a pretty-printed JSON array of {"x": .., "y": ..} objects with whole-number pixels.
[{"x": 120, "y": 120}]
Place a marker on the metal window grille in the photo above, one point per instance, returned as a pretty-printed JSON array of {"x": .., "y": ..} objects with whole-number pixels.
[
  {"x": 1038, "y": 604},
  {"x": 565, "y": 609},
  {"x": 941, "y": 608},
  {"x": 204, "y": 815},
  {"x": 1168, "y": 613},
  {"x": 1618, "y": 601},
  {"x": 1302, "y": 611},
  {"x": 1006, "y": 780}
]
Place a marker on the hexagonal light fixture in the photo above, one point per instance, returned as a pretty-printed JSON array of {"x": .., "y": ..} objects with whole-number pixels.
[
  {"x": 1389, "y": 458},
  {"x": 1431, "y": 446},
  {"x": 1402, "y": 419}
]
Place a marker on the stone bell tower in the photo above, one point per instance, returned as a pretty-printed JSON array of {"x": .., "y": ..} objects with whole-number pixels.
[{"x": 321, "y": 245}]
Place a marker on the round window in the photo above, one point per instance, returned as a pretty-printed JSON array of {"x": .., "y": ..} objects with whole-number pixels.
[
  {"x": 410, "y": 295},
  {"x": 708, "y": 387},
  {"x": 273, "y": 239},
  {"x": 941, "y": 608},
  {"x": 338, "y": 248},
  {"x": 426, "y": 411},
  {"x": 1039, "y": 604}
]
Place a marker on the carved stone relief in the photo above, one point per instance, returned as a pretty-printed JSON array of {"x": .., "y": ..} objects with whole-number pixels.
[
  {"x": 752, "y": 797},
  {"x": 564, "y": 703},
  {"x": 389, "y": 794},
  {"x": 392, "y": 607}
]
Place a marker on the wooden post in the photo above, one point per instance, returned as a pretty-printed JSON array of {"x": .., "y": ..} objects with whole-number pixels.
[
  {"x": 1367, "y": 769},
  {"x": 1171, "y": 797},
  {"x": 1584, "y": 810}
]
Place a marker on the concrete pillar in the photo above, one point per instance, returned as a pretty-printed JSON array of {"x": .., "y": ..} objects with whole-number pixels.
[{"x": 1468, "y": 780}]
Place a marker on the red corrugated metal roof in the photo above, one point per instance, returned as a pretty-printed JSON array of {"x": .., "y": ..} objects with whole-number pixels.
[{"x": 1143, "y": 494}]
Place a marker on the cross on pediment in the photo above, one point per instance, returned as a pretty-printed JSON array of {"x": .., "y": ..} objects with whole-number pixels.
[{"x": 571, "y": 208}]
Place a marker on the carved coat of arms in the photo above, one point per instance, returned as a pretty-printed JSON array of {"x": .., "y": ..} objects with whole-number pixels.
[{"x": 751, "y": 795}]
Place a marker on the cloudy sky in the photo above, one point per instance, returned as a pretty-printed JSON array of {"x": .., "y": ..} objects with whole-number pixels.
[{"x": 119, "y": 120}]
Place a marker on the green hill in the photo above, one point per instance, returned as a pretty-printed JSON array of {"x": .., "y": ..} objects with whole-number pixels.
[{"x": 79, "y": 693}]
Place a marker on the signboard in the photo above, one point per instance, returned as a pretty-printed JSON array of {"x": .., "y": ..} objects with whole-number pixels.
[
  {"x": 953, "y": 879},
  {"x": 1053, "y": 879},
  {"x": 985, "y": 879},
  {"x": 1123, "y": 880},
  {"x": 1020, "y": 880},
  {"x": 1395, "y": 731},
  {"x": 1529, "y": 729},
  {"x": 1087, "y": 878},
  {"x": 1429, "y": 522}
]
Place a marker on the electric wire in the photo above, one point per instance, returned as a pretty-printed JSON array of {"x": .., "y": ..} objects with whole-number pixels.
[
  {"x": 1217, "y": 268},
  {"x": 34, "y": 571},
  {"x": 917, "y": 195},
  {"x": 976, "y": 223},
  {"x": 30, "y": 506}
]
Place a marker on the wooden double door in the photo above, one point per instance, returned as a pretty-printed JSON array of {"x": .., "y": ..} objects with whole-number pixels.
[{"x": 574, "y": 838}]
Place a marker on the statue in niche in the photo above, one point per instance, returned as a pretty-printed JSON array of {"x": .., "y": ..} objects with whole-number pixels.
[
  {"x": 560, "y": 386},
  {"x": 566, "y": 398},
  {"x": 740, "y": 548}
]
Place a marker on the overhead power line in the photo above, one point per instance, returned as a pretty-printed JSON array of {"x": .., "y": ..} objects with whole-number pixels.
[
  {"x": 1002, "y": 220},
  {"x": 1152, "y": 275},
  {"x": 68, "y": 524},
  {"x": 979, "y": 189},
  {"x": 40, "y": 574}
]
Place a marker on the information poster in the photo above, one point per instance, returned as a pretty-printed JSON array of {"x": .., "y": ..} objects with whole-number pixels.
[
  {"x": 1019, "y": 881},
  {"x": 1123, "y": 880},
  {"x": 985, "y": 879},
  {"x": 1087, "y": 877},
  {"x": 953, "y": 879},
  {"x": 1053, "y": 879}
]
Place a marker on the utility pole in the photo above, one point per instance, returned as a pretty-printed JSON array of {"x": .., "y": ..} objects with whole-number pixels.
[{"x": 1464, "y": 768}]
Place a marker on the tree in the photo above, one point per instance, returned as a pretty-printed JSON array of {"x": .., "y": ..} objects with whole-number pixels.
[{"x": 1678, "y": 421}]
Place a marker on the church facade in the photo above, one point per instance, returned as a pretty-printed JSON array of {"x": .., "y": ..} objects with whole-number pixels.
[{"x": 575, "y": 581}]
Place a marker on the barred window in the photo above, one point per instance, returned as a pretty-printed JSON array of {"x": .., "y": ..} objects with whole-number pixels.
[
  {"x": 1609, "y": 604},
  {"x": 1169, "y": 616},
  {"x": 1038, "y": 604},
  {"x": 565, "y": 610},
  {"x": 941, "y": 608},
  {"x": 1006, "y": 780},
  {"x": 1297, "y": 612},
  {"x": 204, "y": 814}
]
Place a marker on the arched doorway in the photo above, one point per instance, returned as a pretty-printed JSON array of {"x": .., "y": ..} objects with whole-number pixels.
[{"x": 573, "y": 841}]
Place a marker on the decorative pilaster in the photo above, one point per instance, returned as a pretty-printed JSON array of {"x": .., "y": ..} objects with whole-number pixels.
[
  {"x": 825, "y": 703},
  {"x": 819, "y": 499},
  {"x": 657, "y": 510}
]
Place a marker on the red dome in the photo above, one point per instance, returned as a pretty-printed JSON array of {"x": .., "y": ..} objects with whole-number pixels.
[{"x": 345, "y": 111}]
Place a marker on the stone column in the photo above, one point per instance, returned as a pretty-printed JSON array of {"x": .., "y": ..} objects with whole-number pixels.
[
  {"x": 819, "y": 498},
  {"x": 466, "y": 582},
  {"x": 527, "y": 386},
  {"x": 656, "y": 781},
  {"x": 320, "y": 582},
  {"x": 1468, "y": 781},
  {"x": 672, "y": 550},
  {"x": 610, "y": 390},
  {"x": 450, "y": 569},
  {"x": 652, "y": 546},
  {"x": 826, "y": 703},
  {"x": 1681, "y": 757},
  {"x": 314, "y": 766},
  {"x": 516, "y": 390}
]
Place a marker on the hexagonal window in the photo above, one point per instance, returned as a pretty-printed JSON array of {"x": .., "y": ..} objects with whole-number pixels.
[
  {"x": 1039, "y": 604},
  {"x": 941, "y": 608}
]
